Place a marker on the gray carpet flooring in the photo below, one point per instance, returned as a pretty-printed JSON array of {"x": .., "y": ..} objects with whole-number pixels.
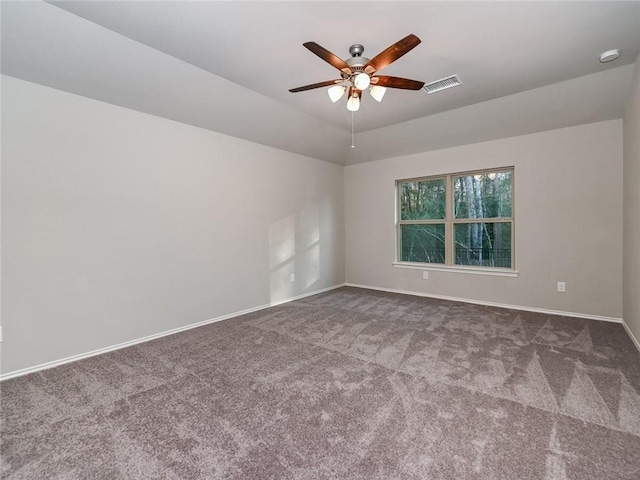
[{"x": 349, "y": 384}]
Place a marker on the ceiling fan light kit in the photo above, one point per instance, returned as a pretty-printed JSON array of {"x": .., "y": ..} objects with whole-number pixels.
[
  {"x": 377, "y": 92},
  {"x": 353, "y": 104},
  {"x": 357, "y": 72},
  {"x": 361, "y": 81},
  {"x": 336, "y": 92}
]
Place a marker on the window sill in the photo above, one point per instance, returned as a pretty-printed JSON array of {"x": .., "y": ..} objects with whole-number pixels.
[{"x": 497, "y": 272}]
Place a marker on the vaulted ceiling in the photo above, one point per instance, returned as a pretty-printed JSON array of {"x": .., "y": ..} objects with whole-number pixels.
[{"x": 228, "y": 66}]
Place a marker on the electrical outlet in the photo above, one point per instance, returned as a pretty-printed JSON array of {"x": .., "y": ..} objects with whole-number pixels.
[
  {"x": 561, "y": 287},
  {"x": 425, "y": 275},
  {"x": 293, "y": 277}
]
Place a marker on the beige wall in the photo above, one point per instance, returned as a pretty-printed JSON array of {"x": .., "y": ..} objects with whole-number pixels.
[
  {"x": 631, "y": 269},
  {"x": 568, "y": 210},
  {"x": 118, "y": 225}
]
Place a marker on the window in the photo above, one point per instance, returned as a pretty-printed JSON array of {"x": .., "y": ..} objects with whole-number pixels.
[{"x": 461, "y": 219}]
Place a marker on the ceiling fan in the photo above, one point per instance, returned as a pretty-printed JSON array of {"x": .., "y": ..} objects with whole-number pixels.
[{"x": 358, "y": 73}]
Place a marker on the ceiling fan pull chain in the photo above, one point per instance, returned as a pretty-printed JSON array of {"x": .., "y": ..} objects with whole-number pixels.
[{"x": 353, "y": 145}]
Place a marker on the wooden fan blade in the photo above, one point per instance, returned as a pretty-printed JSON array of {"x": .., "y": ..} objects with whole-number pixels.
[
  {"x": 316, "y": 85},
  {"x": 397, "y": 82},
  {"x": 329, "y": 57},
  {"x": 391, "y": 54}
]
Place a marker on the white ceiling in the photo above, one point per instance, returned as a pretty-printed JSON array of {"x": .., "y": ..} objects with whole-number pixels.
[{"x": 227, "y": 66}]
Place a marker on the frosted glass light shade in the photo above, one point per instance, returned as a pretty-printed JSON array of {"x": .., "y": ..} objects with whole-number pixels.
[
  {"x": 362, "y": 81},
  {"x": 336, "y": 92},
  {"x": 377, "y": 92},
  {"x": 353, "y": 104}
]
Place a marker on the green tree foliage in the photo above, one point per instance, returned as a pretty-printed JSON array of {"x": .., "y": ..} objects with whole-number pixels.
[
  {"x": 423, "y": 200},
  {"x": 486, "y": 197}
]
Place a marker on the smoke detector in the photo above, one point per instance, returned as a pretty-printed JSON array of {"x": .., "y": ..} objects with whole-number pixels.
[{"x": 609, "y": 55}]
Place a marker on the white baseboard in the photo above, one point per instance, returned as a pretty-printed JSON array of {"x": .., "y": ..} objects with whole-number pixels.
[
  {"x": 74, "y": 358},
  {"x": 630, "y": 333},
  {"x": 491, "y": 304}
]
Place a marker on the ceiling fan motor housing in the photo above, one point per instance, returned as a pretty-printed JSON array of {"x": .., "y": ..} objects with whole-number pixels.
[
  {"x": 357, "y": 61},
  {"x": 356, "y": 50}
]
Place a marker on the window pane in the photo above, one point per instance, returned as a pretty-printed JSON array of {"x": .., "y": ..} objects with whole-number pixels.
[
  {"x": 423, "y": 243},
  {"x": 483, "y": 196},
  {"x": 483, "y": 244},
  {"x": 425, "y": 200}
]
